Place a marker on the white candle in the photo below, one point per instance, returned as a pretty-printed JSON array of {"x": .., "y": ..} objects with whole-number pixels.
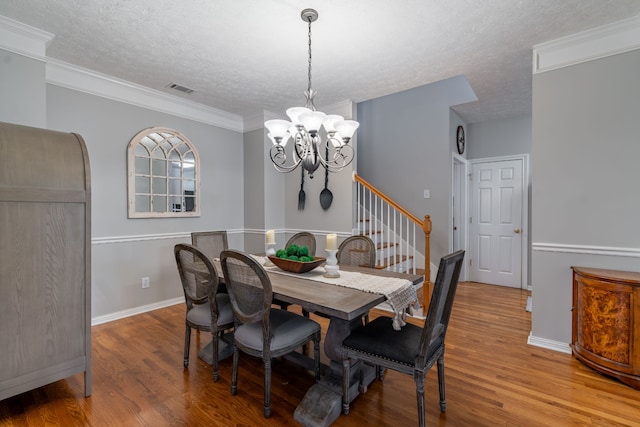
[
  {"x": 332, "y": 242},
  {"x": 271, "y": 237}
]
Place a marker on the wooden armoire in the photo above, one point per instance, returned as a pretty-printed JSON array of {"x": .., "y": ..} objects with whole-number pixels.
[{"x": 45, "y": 258}]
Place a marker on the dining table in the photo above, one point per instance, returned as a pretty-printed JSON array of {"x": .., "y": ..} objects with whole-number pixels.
[{"x": 345, "y": 307}]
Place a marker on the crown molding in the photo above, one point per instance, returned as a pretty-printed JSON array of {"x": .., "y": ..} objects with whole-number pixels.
[
  {"x": 60, "y": 73},
  {"x": 618, "y": 37},
  {"x": 23, "y": 39},
  {"x": 31, "y": 42},
  {"x": 343, "y": 108},
  {"x": 256, "y": 121}
]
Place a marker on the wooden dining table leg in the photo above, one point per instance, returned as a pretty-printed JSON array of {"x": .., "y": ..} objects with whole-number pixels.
[
  {"x": 362, "y": 374},
  {"x": 322, "y": 404}
]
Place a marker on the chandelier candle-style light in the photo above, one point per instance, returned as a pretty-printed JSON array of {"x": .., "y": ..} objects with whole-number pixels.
[{"x": 304, "y": 131}]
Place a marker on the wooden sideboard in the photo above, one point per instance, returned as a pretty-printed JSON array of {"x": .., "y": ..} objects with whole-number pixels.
[
  {"x": 606, "y": 322},
  {"x": 45, "y": 258}
]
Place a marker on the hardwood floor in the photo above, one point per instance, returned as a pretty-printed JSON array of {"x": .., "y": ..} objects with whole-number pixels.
[{"x": 493, "y": 378}]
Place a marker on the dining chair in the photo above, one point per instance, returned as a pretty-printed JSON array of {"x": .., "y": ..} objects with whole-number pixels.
[
  {"x": 210, "y": 242},
  {"x": 357, "y": 250},
  {"x": 413, "y": 350},
  {"x": 303, "y": 238},
  {"x": 207, "y": 309},
  {"x": 260, "y": 330}
]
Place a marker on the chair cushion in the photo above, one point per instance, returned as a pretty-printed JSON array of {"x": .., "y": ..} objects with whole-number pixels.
[
  {"x": 200, "y": 314},
  {"x": 380, "y": 339},
  {"x": 287, "y": 329},
  {"x": 225, "y": 312}
]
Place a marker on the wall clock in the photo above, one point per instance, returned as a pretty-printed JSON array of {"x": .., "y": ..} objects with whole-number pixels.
[{"x": 460, "y": 139}]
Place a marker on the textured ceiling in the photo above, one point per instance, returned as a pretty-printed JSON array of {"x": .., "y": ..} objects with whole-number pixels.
[{"x": 246, "y": 56}]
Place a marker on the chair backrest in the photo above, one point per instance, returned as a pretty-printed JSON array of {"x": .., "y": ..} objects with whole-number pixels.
[
  {"x": 249, "y": 288},
  {"x": 303, "y": 238},
  {"x": 210, "y": 242},
  {"x": 357, "y": 250},
  {"x": 444, "y": 290},
  {"x": 198, "y": 275}
]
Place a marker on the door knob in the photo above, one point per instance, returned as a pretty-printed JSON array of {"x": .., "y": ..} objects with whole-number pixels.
[{"x": 517, "y": 230}]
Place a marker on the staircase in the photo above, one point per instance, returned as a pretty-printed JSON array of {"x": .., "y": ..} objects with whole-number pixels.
[
  {"x": 397, "y": 233},
  {"x": 389, "y": 253}
]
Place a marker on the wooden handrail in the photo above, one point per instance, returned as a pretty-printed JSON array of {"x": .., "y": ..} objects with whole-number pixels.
[
  {"x": 384, "y": 197},
  {"x": 425, "y": 225}
]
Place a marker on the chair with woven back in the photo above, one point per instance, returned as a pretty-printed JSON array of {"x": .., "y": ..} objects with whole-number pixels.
[
  {"x": 303, "y": 238},
  {"x": 260, "y": 330},
  {"x": 414, "y": 349},
  {"x": 358, "y": 251},
  {"x": 210, "y": 242},
  {"x": 207, "y": 309}
]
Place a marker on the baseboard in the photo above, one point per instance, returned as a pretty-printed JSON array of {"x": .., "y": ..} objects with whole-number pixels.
[
  {"x": 136, "y": 310},
  {"x": 549, "y": 344}
]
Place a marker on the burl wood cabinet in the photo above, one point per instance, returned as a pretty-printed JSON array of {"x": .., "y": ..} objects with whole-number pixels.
[
  {"x": 45, "y": 259},
  {"x": 606, "y": 322}
]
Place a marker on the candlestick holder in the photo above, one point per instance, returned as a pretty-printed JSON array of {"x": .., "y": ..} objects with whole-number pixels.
[
  {"x": 331, "y": 268},
  {"x": 270, "y": 252}
]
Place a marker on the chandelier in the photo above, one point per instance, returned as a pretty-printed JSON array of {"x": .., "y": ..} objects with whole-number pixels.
[{"x": 310, "y": 132}]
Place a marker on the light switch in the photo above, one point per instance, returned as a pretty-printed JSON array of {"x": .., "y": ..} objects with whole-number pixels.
[{"x": 427, "y": 194}]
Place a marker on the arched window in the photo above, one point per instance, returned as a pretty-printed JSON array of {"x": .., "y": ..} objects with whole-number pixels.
[{"x": 163, "y": 175}]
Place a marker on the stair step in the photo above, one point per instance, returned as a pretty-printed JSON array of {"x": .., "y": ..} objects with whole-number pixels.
[
  {"x": 385, "y": 245},
  {"x": 398, "y": 259}
]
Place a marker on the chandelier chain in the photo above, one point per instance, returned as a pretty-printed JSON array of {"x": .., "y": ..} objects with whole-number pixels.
[
  {"x": 309, "y": 73},
  {"x": 304, "y": 131}
]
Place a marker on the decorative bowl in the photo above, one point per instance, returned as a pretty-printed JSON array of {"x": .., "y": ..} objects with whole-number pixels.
[{"x": 297, "y": 266}]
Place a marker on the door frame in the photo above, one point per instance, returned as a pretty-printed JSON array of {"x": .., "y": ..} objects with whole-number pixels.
[
  {"x": 524, "y": 252},
  {"x": 460, "y": 166}
]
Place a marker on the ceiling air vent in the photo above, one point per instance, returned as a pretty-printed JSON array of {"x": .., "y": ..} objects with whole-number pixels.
[{"x": 181, "y": 88}]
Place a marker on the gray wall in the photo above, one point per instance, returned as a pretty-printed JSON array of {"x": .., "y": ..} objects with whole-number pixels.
[
  {"x": 265, "y": 194},
  {"x": 124, "y": 250},
  {"x": 496, "y": 138},
  {"x": 22, "y": 88},
  {"x": 585, "y": 172},
  {"x": 405, "y": 147}
]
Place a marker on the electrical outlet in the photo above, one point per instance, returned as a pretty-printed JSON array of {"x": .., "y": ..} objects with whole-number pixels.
[
  {"x": 427, "y": 194},
  {"x": 145, "y": 282}
]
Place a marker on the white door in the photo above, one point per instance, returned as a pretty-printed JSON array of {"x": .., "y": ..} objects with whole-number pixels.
[
  {"x": 458, "y": 205},
  {"x": 459, "y": 210},
  {"x": 496, "y": 223}
]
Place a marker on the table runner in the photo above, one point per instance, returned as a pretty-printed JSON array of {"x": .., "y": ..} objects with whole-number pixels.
[{"x": 399, "y": 293}]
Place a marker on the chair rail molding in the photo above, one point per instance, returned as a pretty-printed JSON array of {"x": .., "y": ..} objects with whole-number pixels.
[
  {"x": 588, "y": 250},
  {"x": 145, "y": 237}
]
